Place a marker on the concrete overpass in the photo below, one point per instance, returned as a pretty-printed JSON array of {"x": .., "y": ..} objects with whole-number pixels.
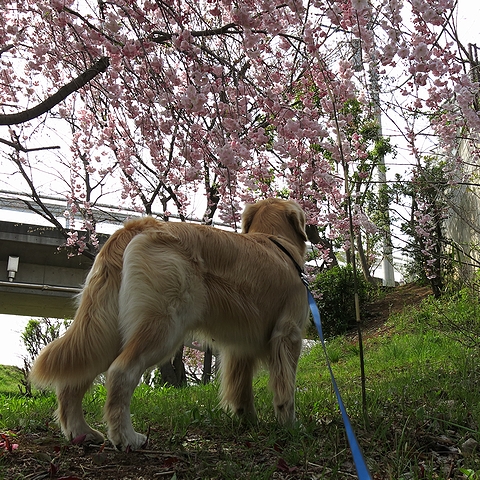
[{"x": 47, "y": 280}]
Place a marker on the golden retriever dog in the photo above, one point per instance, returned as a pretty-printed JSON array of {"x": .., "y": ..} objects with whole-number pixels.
[{"x": 153, "y": 283}]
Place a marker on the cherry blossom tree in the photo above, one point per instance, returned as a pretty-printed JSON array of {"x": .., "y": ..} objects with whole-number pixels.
[{"x": 225, "y": 101}]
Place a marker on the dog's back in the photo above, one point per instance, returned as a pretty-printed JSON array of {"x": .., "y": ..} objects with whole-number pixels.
[{"x": 222, "y": 285}]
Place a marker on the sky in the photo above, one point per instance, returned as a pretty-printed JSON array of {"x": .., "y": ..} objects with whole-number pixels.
[
  {"x": 468, "y": 19},
  {"x": 11, "y": 327}
]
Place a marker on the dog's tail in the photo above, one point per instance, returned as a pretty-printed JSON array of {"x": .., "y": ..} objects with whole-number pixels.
[{"x": 93, "y": 341}]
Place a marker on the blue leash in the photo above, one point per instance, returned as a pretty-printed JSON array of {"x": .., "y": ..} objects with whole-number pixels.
[{"x": 358, "y": 459}]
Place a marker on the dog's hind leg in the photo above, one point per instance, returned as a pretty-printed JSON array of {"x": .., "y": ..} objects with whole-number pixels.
[
  {"x": 122, "y": 379},
  {"x": 285, "y": 350},
  {"x": 236, "y": 391},
  {"x": 70, "y": 414},
  {"x": 155, "y": 342}
]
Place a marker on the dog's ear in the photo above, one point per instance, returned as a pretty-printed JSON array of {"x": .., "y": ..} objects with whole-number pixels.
[
  {"x": 247, "y": 216},
  {"x": 297, "y": 218}
]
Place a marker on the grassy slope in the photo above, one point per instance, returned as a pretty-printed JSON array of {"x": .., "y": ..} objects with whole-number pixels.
[{"x": 9, "y": 379}]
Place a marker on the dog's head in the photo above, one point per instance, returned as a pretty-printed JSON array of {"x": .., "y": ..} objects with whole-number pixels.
[{"x": 275, "y": 216}]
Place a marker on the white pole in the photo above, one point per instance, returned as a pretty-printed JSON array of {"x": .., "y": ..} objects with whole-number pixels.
[{"x": 387, "y": 262}]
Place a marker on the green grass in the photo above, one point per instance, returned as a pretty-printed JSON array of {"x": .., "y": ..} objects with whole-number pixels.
[
  {"x": 423, "y": 398},
  {"x": 9, "y": 379}
]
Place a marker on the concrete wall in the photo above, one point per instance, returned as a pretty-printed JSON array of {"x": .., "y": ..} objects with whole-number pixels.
[{"x": 463, "y": 222}]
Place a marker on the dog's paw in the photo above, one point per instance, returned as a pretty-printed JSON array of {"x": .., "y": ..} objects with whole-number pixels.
[
  {"x": 247, "y": 416},
  {"x": 285, "y": 413},
  {"x": 140, "y": 441},
  {"x": 128, "y": 442},
  {"x": 94, "y": 437},
  {"x": 89, "y": 437}
]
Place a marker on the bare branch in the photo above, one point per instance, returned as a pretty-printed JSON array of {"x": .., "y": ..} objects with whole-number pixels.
[
  {"x": 5, "y": 48},
  {"x": 20, "y": 148},
  {"x": 76, "y": 84},
  {"x": 163, "y": 37}
]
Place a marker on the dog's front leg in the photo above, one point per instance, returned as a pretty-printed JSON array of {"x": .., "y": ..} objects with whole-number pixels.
[{"x": 284, "y": 354}]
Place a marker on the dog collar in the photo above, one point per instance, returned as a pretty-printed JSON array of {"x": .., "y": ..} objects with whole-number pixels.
[{"x": 289, "y": 255}]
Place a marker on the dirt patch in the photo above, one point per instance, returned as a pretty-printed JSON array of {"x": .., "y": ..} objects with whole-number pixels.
[
  {"x": 394, "y": 301},
  {"x": 200, "y": 455}
]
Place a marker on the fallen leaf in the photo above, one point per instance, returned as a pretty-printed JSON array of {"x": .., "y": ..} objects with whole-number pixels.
[
  {"x": 170, "y": 461},
  {"x": 469, "y": 447},
  {"x": 5, "y": 443},
  {"x": 53, "y": 470},
  {"x": 43, "y": 457}
]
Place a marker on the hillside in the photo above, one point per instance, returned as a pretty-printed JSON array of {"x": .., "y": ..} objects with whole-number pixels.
[
  {"x": 9, "y": 378},
  {"x": 393, "y": 302}
]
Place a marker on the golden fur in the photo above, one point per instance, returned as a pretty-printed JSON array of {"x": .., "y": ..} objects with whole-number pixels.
[{"x": 153, "y": 283}]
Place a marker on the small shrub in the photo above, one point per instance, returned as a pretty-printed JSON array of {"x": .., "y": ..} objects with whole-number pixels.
[
  {"x": 334, "y": 293},
  {"x": 37, "y": 334}
]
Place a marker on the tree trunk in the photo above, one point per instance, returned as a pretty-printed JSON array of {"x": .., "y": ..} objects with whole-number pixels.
[
  {"x": 437, "y": 281},
  {"x": 314, "y": 237},
  {"x": 363, "y": 261},
  {"x": 173, "y": 372},
  {"x": 207, "y": 366}
]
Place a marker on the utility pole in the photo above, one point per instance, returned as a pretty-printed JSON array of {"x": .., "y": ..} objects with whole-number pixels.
[
  {"x": 474, "y": 70},
  {"x": 384, "y": 206},
  {"x": 387, "y": 261}
]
